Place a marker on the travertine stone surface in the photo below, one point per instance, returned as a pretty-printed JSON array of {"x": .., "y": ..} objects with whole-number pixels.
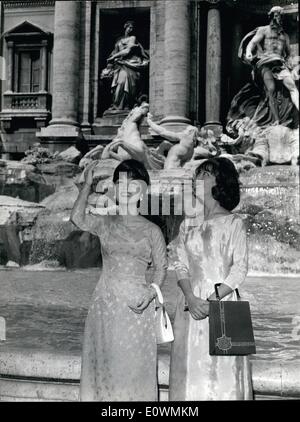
[
  {"x": 213, "y": 65},
  {"x": 157, "y": 59},
  {"x": 85, "y": 66},
  {"x": 177, "y": 63},
  {"x": 66, "y": 63}
]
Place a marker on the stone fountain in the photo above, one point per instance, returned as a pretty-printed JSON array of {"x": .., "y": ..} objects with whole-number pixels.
[{"x": 38, "y": 230}]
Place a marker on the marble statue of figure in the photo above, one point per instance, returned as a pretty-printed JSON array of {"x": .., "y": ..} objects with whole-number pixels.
[
  {"x": 124, "y": 65},
  {"x": 207, "y": 145},
  {"x": 129, "y": 144},
  {"x": 183, "y": 150},
  {"x": 250, "y": 142},
  {"x": 246, "y": 141},
  {"x": 272, "y": 97}
]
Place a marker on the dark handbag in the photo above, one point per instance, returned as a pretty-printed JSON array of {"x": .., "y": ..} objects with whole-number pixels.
[{"x": 230, "y": 327}]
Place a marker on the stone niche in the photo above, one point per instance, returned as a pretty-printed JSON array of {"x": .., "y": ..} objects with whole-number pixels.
[{"x": 111, "y": 29}]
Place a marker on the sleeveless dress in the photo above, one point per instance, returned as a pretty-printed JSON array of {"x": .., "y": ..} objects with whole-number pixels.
[
  {"x": 212, "y": 252},
  {"x": 119, "y": 359}
]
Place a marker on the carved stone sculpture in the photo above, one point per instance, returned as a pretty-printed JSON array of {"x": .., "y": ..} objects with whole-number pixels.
[
  {"x": 272, "y": 97},
  {"x": 125, "y": 65}
]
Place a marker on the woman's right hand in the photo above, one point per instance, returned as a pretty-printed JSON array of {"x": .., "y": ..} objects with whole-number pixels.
[
  {"x": 89, "y": 173},
  {"x": 197, "y": 307},
  {"x": 149, "y": 117}
]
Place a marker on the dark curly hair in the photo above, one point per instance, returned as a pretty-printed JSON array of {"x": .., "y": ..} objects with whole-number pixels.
[
  {"x": 134, "y": 170},
  {"x": 227, "y": 188}
]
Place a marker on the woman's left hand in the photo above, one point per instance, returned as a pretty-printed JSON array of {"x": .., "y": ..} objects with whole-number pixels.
[
  {"x": 205, "y": 307},
  {"x": 143, "y": 303}
]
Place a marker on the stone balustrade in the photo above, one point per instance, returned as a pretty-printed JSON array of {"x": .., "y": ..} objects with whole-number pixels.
[
  {"x": 36, "y": 376},
  {"x": 26, "y": 101}
]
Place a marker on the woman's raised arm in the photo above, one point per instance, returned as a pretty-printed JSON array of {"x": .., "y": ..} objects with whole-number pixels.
[
  {"x": 159, "y": 256},
  {"x": 78, "y": 216}
]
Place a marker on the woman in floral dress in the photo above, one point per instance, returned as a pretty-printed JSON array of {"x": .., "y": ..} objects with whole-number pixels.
[{"x": 119, "y": 358}]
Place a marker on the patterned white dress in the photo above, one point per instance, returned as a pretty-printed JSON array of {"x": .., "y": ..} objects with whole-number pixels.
[
  {"x": 212, "y": 252},
  {"x": 119, "y": 359}
]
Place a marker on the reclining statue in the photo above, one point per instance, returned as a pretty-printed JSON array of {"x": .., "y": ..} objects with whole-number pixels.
[
  {"x": 183, "y": 150},
  {"x": 190, "y": 144}
]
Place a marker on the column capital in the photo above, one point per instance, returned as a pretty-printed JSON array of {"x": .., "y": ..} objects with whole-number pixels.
[{"x": 212, "y": 4}]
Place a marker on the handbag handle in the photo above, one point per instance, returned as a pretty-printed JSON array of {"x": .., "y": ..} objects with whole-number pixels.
[
  {"x": 218, "y": 296},
  {"x": 159, "y": 297}
]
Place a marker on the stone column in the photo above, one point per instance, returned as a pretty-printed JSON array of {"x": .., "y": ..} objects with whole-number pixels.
[
  {"x": 237, "y": 65},
  {"x": 213, "y": 68},
  {"x": 44, "y": 67},
  {"x": 176, "y": 65},
  {"x": 65, "y": 70},
  {"x": 85, "y": 67},
  {"x": 10, "y": 66}
]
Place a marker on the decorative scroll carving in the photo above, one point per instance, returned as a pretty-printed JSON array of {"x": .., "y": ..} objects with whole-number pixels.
[{"x": 21, "y": 4}]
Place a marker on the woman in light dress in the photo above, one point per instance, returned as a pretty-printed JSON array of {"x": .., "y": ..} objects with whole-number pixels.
[
  {"x": 213, "y": 251},
  {"x": 119, "y": 359}
]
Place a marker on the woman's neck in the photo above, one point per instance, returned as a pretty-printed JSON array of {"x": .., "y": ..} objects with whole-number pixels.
[
  {"x": 126, "y": 210},
  {"x": 213, "y": 209}
]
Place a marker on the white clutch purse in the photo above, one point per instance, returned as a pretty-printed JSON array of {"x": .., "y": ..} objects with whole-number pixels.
[{"x": 163, "y": 326}]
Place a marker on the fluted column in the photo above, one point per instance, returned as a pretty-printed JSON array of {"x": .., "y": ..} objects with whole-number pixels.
[
  {"x": 85, "y": 66},
  {"x": 177, "y": 64},
  {"x": 237, "y": 66},
  {"x": 10, "y": 66},
  {"x": 213, "y": 67},
  {"x": 44, "y": 67},
  {"x": 66, "y": 63}
]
